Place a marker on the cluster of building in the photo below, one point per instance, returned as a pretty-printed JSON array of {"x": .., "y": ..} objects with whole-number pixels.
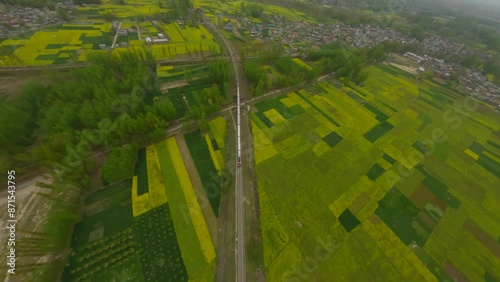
[
  {"x": 478, "y": 85},
  {"x": 160, "y": 38},
  {"x": 438, "y": 67},
  {"x": 434, "y": 44},
  {"x": 20, "y": 19},
  {"x": 279, "y": 28},
  {"x": 321, "y": 34},
  {"x": 471, "y": 82}
]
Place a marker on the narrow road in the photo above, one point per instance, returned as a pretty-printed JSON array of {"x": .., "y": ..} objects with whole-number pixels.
[{"x": 116, "y": 36}]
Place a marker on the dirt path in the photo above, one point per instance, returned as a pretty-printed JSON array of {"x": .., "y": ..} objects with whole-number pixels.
[
  {"x": 31, "y": 212},
  {"x": 198, "y": 189},
  {"x": 412, "y": 70}
]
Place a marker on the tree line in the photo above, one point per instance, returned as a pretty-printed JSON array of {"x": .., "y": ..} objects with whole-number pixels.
[
  {"x": 59, "y": 126},
  {"x": 344, "y": 63},
  {"x": 210, "y": 99}
]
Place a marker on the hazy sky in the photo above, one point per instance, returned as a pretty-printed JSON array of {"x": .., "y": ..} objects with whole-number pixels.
[{"x": 481, "y": 2}]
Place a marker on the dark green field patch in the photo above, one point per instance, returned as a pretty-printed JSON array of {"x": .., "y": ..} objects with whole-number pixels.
[
  {"x": 159, "y": 252},
  {"x": 489, "y": 278},
  {"x": 106, "y": 38},
  {"x": 356, "y": 98},
  {"x": 420, "y": 147},
  {"x": 297, "y": 110},
  {"x": 389, "y": 159},
  {"x": 66, "y": 52},
  {"x": 493, "y": 144},
  {"x": 50, "y": 57},
  {"x": 348, "y": 220},
  {"x": 133, "y": 36},
  {"x": 476, "y": 148},
  {"x": 332, "y": 139},
  {"x": 380, "y": 116},
  {"x": 441, "y": 191},
  {"x": 59, "y": 61},
  {"x": 208, "y": 173},
  {"x": 112, "y": 220},
  {"x": 286, "y": 113},
  {"x": 267, "y": 105},
  {"x": 401, "y": 216},
  {"x": 214, "y": 144},
  {"x": 437, "y": 96},
  {"x": 489, "y": 164},
  {"x": 264, "y": 119},
  {"x": 121, "y": 38},
  {"x": 375, "y": 172},
  {"x": 6, "y": 50},
  {"x": 378, "y": 131},
  {"x": 141, "y": 171},
  {"x": 87, "y": 261},
  {"x": 54, "y": 46}
]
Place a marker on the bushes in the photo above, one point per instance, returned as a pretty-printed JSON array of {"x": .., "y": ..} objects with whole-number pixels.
[{"x": 119, "y": 165}]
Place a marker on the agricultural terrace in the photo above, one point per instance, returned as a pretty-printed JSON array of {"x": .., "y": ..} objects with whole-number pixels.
[
  {"x": 393, "y": 181},
  {"x": 115, "y": 236},
  {"x": 68, "y": 43}
]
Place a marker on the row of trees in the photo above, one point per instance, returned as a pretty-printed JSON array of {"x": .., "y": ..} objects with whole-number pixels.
[
  {"x": 58, "y": 127},
  {"x": 334, "y": 58},
  {"x": 178, "y": 8},
  {"x": 61, "y": 128},
  {"x": 348, "y": 63},
  {"x": 210, "y": 100},
  {"x": 257, "y": 77}
]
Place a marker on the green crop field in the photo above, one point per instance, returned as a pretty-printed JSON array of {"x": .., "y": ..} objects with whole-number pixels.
[
  {"x": 69, "y": 42},
  {"x": 199, "y": 149},
  {"x": 392, "y": 181},
  {"x": 147, "y": 229}
]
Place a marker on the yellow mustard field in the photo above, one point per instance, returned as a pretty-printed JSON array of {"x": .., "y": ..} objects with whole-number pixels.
[
  {"x": 191, "y": 200},
  {"x": 155, "y": 179}
]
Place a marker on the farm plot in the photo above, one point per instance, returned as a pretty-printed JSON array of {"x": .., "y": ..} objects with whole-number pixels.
[
  {"x": 104, "y": 242},
  {"x": 381, "y": 178},
  {"x": 194, "y": 239},
  {"x": 141, "y": 235},
  {"x": 215, "y": 142},
  {"x": 67, "y": 43},
  {"x": 207, "y": 159},
  {"x": 58, "y": 44}
]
